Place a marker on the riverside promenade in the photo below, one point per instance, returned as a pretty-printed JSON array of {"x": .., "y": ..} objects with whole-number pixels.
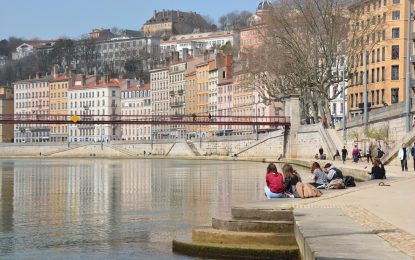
[{"x": 386, "y": 211}]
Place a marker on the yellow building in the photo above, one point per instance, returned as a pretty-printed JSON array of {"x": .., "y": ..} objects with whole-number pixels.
[
  {"x": 379, "y": 29},
  {"x": 59, "y": 107},
  {"x": 6, "y": 108}
]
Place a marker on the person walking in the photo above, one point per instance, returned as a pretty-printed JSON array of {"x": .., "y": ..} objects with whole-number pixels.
[
  {"x": 380, "y": 153},
  {"x": 320, "y": 151},
  {"x": 413, "y": 154},
  {"x": 368, "y": 155},
  {"x": 355, "y": 153},
  {"x": 344, "y": 154},
  {"x": 403, "y": 155}
]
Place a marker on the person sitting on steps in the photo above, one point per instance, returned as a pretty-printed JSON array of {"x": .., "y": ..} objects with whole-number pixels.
[
  {"x": 318, "y": 176},
  {"x": 378, "y": 170},
  {"x": 291, "y": 179},
  {"x": 332, "y": 172},
  {"x": 275, "y": 183}
]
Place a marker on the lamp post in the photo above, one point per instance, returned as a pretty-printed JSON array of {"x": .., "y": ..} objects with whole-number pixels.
[
  {"x": 365, "y": 110},
  {"x": 256, "y": 118},
  {"x": 344, "y": 102},
  {"x": 408, "y": 72}
]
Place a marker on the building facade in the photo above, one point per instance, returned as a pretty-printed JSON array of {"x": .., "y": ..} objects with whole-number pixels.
[
  {"x": 59, "y": 86},
  {"x": 380, "y": 32},
  {"x": 6, "y": 108},
  {"x": 177, "y": 82},
  {"x": 32, "y": 100},
  {"x": 136, "y": 104},
  {"x": 101, "y": 98},
  {"x": 160, "y": 101}
]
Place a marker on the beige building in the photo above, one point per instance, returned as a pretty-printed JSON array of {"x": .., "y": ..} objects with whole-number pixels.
[
  {"x": 159, "y": 85},
  {"x": 380, "y": 31},
  {"x": 177, "y": 82},
  {"x": 6, "y": 108}
]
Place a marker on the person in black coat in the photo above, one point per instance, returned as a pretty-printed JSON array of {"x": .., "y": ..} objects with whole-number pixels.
[{"x": 378, "y": 170}]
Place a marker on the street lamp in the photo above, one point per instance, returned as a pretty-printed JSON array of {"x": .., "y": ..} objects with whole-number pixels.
[{"x": 408, "y": 71}]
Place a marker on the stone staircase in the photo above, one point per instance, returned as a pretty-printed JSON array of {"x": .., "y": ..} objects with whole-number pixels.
[
  {"x": 248, "y": 234},
  {"x": 121, "y": 150},
  {"x": 328, "y": 141},
  {"x": 193, "y": 148},
  {"x": 336, "y": 138},
  {"x": 408, "y": 139}
]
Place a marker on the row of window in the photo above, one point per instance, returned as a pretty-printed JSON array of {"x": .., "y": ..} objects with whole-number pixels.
[
  {"x": 38, "y": 94},
  {"x": 376, "y": 97},
  {"x": 32, "y": 85},
  {"x": 135, "y": 94},
  {"x": 375, "y": 75},
  {"x": 58, "y": 86}
]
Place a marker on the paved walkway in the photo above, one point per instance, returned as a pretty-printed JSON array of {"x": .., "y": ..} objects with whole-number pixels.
[{"x": 388, "y": 211}]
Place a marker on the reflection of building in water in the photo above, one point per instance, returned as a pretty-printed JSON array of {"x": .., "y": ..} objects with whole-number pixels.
[{"x": 6, "y": 199}]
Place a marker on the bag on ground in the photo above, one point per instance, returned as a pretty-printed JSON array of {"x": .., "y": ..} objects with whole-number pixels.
[
  {"x": 349, "y": 181},
  {"x": 336, "y": 184},
  {"x": 306, "y": 190}
]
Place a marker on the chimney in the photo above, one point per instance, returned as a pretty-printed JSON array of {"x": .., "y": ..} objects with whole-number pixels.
[
  {"x": 83, "y": 80},
  {"x": 106, "y": 78},
  {"x": 37, "y": 75},
  {"x": 128, "y": 83},
  {"x": 218, "y": 60},
  {"x": 54, "y": 72}
]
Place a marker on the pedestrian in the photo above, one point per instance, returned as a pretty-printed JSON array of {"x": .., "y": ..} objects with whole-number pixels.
[
  {"x": 324, "y": 122},
  {"x": 403, "y": 155},
  {"x": 320, "y": 151},
  {"x": 355, "y": 154},
  {"x": 194, "y": 117},
  {"x": 344, "y": 154},
  {"x": 337, "y": 154},
  {"x": 413, "y": 153},
  {"x": 380, "y": 153}
]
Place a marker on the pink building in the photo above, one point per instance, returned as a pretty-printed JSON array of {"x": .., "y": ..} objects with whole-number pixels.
[{"x": 224, "y": 104}]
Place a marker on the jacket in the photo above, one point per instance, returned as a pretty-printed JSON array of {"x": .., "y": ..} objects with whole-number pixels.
[{"x": 400, "y": 154}]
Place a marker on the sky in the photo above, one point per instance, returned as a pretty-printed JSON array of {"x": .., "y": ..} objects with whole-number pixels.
[{"x": 51, "y": 19}]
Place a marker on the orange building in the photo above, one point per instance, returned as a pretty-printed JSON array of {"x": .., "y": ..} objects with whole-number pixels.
[
  {"x": 59, "y": 107},
  {"x": 202, "y": 81}
]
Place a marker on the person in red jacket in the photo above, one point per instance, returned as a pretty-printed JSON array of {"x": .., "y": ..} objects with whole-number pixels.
[{"x": 275, "y": 183}]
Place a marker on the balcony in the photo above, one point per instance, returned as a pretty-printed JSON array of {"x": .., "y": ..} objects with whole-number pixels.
[
  {"x": 412, "y": 59},
  {"x": 171, "y": 93},
  {"x": 413, "y": 36},
  {"x": 180, "y": 92},
  {"x": 177, "y": 104}
]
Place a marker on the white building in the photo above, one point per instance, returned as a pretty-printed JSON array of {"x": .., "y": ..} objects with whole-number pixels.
[
  {"x": 336, "y": 94},
  {"x": 27, "y": 48},
  {"x": 159, "y": 85},
  {"x": 196, "y": 43},
  {"x": 177, "y": 82},
  {"x": 113, "y": 53},
  {"x": 101, "y": 98},
  {"x": 136, "y": 104}
]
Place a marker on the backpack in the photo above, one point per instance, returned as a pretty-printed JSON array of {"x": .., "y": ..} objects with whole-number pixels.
[
  {"x": 336, "y": 184},
  {"x": 338, "y": 174},
  {"x": 349, "y": 181}
]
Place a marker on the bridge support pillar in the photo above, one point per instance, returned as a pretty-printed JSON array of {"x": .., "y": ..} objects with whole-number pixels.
[{"x": 292, "y": 110}]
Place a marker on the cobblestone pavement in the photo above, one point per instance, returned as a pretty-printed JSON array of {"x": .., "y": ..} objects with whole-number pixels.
[{"x": 373, "y": 215}]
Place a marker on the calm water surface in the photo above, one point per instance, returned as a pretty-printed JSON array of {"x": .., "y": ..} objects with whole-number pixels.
[{"x": 124, "y": 209}]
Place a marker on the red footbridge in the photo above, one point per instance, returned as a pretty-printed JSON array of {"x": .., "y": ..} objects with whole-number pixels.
[{"x": 145, "y": 120}]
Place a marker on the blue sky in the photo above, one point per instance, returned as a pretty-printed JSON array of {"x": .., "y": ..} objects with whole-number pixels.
[{"x": 50, "y": 19}]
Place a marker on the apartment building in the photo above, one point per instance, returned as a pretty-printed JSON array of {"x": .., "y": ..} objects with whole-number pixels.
[
  {"x": 6, "y": 108},
  {"x": 59, "y": 86},
  {"x": 224, "y": 105},
  {"x": 95, "y": 96},
  {"x": 136, "y": 105},
  {"x": 380, "y": 32},
  {"x": 32, "y": 100},
  {"x": 177, "y": 82},
  {"x": 160, "y": 101}
]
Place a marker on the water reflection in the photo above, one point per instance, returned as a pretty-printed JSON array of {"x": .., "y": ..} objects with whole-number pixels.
[{"x": 114, "y": 208}]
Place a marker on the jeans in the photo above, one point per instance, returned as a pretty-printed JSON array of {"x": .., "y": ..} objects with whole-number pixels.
[
  {"x": 404, "y": 164},
  {"x": 271, "y": 195},
  {"x": 355, "y": 157}
]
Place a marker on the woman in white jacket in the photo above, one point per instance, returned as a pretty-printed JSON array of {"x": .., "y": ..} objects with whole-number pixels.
[{"x": 403, "y": 155}]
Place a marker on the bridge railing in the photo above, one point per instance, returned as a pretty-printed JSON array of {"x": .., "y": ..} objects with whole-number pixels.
[{"x": 143, "y": 119}]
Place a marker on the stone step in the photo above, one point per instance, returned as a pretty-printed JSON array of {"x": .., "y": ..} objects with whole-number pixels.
[
  {"x": 262, "y": 214},
  {"x": 261, "y": 226},
  {"x": 185, "y": 245},
  {"x": 224, "y": 237}
]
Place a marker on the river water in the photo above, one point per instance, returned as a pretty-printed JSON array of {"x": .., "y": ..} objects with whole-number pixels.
[{"x": 112, "y": 208}]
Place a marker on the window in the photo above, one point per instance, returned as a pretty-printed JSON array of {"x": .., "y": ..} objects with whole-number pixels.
[
  {"x": 395, "y": 33},
  {"x": 395, "y": 72},
  {"x": 396, "y": 1},
  {"x": 373, "y": 75},
  {"x": 395, "y": 52},
  {"x": 396, "y": 15},
  {"x": 373, "y": 97},
  {"x": 377, "y": 97},
  {"x": 351, "y": 100},
  {"x": 383, "y": 53},
  {"x": 377, "y": 75},
  {"x": 373, "y": 56},
  {"x": 395, "y": 95},
  {"x": 378, "y": 55},
  {"x": 383, "y": 96}
]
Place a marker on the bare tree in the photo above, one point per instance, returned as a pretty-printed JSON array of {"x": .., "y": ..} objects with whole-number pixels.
[
  {"x": 303, "y": 49},
  {"x": 235, "y": 20},
  {"x": 87, "y": 53}
]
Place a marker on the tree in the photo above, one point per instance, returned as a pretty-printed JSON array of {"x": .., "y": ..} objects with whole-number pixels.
[
  {"x": 87, "y": 53},
  {"x": 304, "y": 45},
  {"x": 235, "y": 20},
  {"x": 64, "y": 52}
]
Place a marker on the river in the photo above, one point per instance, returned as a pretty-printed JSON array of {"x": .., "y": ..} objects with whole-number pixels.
[{"x": 115, "y": 208}]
